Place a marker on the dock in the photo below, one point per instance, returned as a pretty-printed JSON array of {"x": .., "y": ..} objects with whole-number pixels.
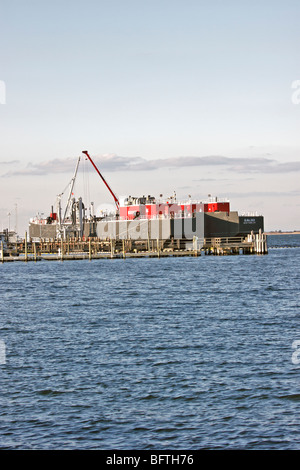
[{"x": 95, "y": 248}]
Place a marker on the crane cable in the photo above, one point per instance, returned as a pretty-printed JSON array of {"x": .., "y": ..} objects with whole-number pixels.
[{"x": 86, "y": 185}]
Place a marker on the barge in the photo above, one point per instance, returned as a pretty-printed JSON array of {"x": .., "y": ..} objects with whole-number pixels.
[{"x": 147, "y": 218}]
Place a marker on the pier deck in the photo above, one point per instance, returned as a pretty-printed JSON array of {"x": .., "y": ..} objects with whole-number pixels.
[{"x": 93, "y": 248}]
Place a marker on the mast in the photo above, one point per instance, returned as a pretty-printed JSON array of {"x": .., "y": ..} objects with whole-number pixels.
[
  {"x": 106, "y": 184},
  {"x": 71, "y": 189},
  {"x": 58, "y": 210}
]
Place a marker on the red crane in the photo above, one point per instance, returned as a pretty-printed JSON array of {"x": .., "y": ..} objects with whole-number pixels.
[{"x": 106, "y": 184}]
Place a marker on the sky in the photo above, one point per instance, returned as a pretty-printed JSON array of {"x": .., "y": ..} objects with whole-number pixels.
[{"x": 192, "y": 96}]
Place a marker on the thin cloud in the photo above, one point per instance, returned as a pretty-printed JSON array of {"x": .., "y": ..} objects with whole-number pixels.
[
  {"x": 112, "y": 163},
  {"x": 263, "y": 194},
  {"x": 11, "y": 162},
  {"x": 286, "y": 167}
]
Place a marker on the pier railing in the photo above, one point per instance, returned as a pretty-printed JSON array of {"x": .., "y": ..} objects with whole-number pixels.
[
  {"x": 224, "y": 240},
  {"x": 97, "y": 248},
  {"x": 251, "y": 243}
]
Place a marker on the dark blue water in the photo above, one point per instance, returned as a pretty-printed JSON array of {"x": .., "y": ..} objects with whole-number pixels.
[{"x": 192, "y": 353}]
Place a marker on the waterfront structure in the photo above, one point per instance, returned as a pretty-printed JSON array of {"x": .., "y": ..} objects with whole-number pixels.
[{"x": 146, "y": 218}]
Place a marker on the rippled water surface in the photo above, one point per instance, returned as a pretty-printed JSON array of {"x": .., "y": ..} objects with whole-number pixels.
[{"x": 191, "y": 353}]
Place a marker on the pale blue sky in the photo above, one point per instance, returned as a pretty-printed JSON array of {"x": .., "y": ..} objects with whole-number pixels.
[{"x": 156, "y": 80}]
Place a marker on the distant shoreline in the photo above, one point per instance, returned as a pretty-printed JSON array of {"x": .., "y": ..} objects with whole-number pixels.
[{"x": 283, "y": 233}]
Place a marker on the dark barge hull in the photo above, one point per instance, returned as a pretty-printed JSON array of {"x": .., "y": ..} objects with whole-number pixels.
[{"x": 201, "y": 225}]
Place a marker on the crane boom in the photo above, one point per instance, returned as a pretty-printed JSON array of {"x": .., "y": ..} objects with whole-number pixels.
[{"x": 106, "y": 184}]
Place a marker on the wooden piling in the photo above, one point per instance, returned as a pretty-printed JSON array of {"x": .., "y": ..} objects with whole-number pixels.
[
  {"x": 26, "y": 252},
  {"x": 126, "y": 248},
  {"x": 90, "y": 249},
  {"x": 195, "y": 245}
]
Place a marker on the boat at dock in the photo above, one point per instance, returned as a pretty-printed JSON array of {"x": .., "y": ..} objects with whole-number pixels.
[{"x": 148, "y": 218}]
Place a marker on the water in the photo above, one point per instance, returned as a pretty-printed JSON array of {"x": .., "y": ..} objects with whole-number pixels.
[{"x": 191, "y": 353}]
